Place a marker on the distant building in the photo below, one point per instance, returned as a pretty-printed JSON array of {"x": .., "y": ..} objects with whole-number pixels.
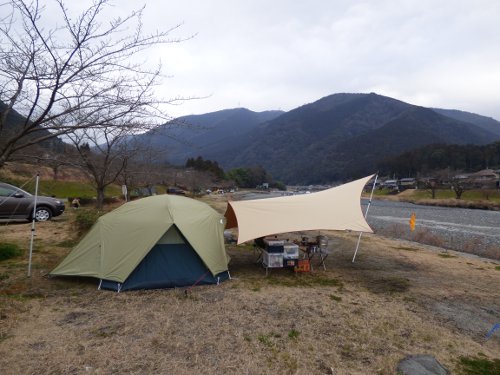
[
  {"x": 486, "y": 177},
  {"x": 407, "y": 183},
  {"x": 390, "y": 184},
  {"x": 483, "y": 178}
]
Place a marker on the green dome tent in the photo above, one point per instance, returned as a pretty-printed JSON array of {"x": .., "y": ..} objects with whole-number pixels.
[{"x": 162, "y": 241}]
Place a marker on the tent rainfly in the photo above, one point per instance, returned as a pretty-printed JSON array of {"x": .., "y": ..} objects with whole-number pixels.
[
  {"x": 162, "y": 241},
  {"x": 337, "y": 208}
]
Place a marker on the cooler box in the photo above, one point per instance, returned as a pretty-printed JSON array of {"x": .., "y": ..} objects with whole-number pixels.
[
  {"x": 273, "y": 242},
  {"x": 274, "y": 245},
  {"x": 272, "y": 260},
  {"x": 275, "y": 249},
  {"x": 290, "y": 251}
]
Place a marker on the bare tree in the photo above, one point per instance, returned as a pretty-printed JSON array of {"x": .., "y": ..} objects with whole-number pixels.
[
  {"x": 459, "y": 186},
  {"x": 430, "y": 185},
  {"x": 82, "y": 73},
  {"x": 145, "y": 166},
  {"x": 104, "y": 154},
  {"x": 437, "y": 180}
]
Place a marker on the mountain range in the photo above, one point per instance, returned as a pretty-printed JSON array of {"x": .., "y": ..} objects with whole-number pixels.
[{"x": 338, "y": 137}]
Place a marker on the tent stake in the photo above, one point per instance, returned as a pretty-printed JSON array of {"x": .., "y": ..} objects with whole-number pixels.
[
  {"x": 33, "y": 226},
  {"x": 366, "y": 215}
]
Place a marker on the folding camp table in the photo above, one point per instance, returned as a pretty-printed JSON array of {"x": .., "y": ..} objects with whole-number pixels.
[{"x": 311, "y": 250}]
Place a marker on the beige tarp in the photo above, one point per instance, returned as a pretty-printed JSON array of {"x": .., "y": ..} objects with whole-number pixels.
[{"x": 338, "y": 208}]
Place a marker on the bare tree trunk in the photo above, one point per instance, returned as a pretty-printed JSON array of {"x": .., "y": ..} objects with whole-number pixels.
[
  {"x": 55, "y": 170},
  {"x": 100, "y": 197}
]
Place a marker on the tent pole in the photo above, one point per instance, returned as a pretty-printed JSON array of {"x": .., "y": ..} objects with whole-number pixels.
[
  {"x": 33, "y": 225},
  {"x": 366, "y": 215}
]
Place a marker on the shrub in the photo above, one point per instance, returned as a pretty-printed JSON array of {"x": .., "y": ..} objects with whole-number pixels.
[
  {"x": 9, "y": 250},
  {"x": 85, "y": 218}
]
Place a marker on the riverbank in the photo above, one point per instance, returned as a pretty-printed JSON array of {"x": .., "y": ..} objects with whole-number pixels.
[{"x": 473, "y": 200}]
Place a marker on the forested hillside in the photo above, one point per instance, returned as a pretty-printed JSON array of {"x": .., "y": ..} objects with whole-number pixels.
[
  {"x": 437, "y": 157},
  {"x": 343, "y": 136}
]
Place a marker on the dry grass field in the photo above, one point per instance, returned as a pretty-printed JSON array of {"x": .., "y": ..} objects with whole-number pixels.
[{"x": 398, "y": 298}]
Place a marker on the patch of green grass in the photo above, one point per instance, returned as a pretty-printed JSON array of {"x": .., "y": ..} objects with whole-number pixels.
[
  {"x": 293, "y": 334},
  {"x": 382, "y": 192},
  {"x": 3, "y": 276},
  {"x": 335, "y": 298},
  {"x": 446, "y": 255},
  {"x": 497, "y": 268},
  {"x": 9, "y": 250},
  {"x": 64, "y": 189},
  {"x": 266, "y": 340},
  {"x": 469, "y": 195},
  {"x": 479, "y": 366}
]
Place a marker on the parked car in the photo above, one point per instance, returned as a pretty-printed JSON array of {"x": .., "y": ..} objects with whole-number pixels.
[
  {"x": 16, "y": 203},
  {"x": 176, "y": 191}
]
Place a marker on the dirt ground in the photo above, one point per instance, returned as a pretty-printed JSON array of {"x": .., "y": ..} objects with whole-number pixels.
[{"x": 398, "y": 298}]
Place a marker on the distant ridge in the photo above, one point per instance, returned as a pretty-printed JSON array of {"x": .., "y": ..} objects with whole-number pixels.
[
  {"x": 343, "y": 135},
  {"x": 196, "y": 135},
  {"x": 338, "y": 137},
  {"x": 486, "y": 123}
]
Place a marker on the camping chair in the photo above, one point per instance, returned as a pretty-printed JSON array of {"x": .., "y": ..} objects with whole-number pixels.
[{"x": 258, "y": 247}]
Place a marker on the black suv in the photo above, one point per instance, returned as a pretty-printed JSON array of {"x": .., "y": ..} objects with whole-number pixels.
[{"x": 18, "y": 204}]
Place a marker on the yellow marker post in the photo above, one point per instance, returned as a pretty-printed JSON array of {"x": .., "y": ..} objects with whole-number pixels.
[{"x": 413, "y": 220}]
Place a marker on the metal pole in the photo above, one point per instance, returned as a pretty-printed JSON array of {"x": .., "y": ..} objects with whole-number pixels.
[
  {"x": 33, "y": 226},
  {"x": 366, "y": 215}
]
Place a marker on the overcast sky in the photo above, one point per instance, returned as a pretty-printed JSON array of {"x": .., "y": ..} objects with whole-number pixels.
[{"x": 279, "y": 54}]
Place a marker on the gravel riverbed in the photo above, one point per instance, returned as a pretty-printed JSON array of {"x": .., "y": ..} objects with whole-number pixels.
[{"x": 468, "y": 230}]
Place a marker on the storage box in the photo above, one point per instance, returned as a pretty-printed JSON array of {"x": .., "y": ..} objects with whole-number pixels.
[
  {"x": 290, "y": 251},
  {"x": 271, "y": 260},
  {"x": 303, "y": 265},
  {"x": 273, "y": 241},
  {"x": 290, "y": 262}
]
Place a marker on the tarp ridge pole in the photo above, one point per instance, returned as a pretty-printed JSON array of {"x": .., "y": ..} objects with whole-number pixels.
[
  {"x": 33, "y": 225},
  {"x": 366, "y": 215}
]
